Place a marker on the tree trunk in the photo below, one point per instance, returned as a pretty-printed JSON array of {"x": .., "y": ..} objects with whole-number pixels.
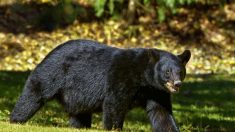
[{"x": 131, "y": 13}]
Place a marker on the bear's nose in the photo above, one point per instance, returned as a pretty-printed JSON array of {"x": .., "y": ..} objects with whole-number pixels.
[{"x": 177, "y": 83}]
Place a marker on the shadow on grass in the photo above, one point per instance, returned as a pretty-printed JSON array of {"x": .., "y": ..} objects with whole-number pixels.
[
  {"x": 11, "y": 84},
  {"x": 212, "y": 120},
  {"x": 206, "y": 102}
]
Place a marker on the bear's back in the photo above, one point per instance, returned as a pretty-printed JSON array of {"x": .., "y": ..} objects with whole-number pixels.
[
  {"x": 75, "y": 53},
  {"x": 76, "y": 65}
]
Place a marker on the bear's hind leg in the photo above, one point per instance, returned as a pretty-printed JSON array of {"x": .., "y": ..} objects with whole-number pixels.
[
  {"x": 80, "y": 120},
  {"x": 28, "y": 104}
]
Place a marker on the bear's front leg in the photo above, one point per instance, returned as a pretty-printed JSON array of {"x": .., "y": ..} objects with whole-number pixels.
[
  {"x": 161, "y": 119},
  {"x": 114, "y": 111}
]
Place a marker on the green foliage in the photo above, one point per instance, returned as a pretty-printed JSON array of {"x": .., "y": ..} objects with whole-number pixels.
[
  {"x": 116, "y": 8},
  {"x": 99, "y": 7},
  {"x": 171, "y": 6},
  {"x": 107, "y": 6},
  {"x": 161, "y": 14},
  {"x": 162, "y": 8},
  {"x": 111, "y": 6}
]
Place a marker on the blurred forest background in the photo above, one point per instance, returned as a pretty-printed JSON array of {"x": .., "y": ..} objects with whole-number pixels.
[{"x": 30, "y": 29}]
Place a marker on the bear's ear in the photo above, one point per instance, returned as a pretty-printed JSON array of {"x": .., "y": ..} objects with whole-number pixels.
[
  {"x": 153, "y": 55},
  {"x": 185, "y": 56}
]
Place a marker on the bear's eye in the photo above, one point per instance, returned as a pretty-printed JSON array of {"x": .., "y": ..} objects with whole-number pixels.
[{"x": 168, "y": 72}]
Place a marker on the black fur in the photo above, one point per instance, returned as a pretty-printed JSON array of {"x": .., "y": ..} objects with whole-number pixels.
[{"x": 87, "y": 77}]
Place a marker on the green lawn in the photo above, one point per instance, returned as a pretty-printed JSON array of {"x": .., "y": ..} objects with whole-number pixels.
[{"x": 206, "y": 102}]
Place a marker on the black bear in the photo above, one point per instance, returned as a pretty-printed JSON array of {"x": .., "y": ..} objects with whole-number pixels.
[{"x": 86, "y": 77}]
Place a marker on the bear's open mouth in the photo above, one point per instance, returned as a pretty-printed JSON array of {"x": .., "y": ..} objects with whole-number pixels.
[{"x": 170, "y": 86}]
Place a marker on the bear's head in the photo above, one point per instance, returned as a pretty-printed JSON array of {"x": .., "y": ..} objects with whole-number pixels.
[{"x": 169, "y": 70}]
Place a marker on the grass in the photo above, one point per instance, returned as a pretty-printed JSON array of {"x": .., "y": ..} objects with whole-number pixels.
[{"x": 205, "y": 103}]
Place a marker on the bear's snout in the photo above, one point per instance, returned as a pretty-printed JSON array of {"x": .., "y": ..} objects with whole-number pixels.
[
  {"x": 173, "y": 86},
  {"x": 177, "y": 83}
]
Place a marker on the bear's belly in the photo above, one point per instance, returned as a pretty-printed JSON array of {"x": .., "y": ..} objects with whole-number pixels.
[{"x": 83, "y": 100}]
